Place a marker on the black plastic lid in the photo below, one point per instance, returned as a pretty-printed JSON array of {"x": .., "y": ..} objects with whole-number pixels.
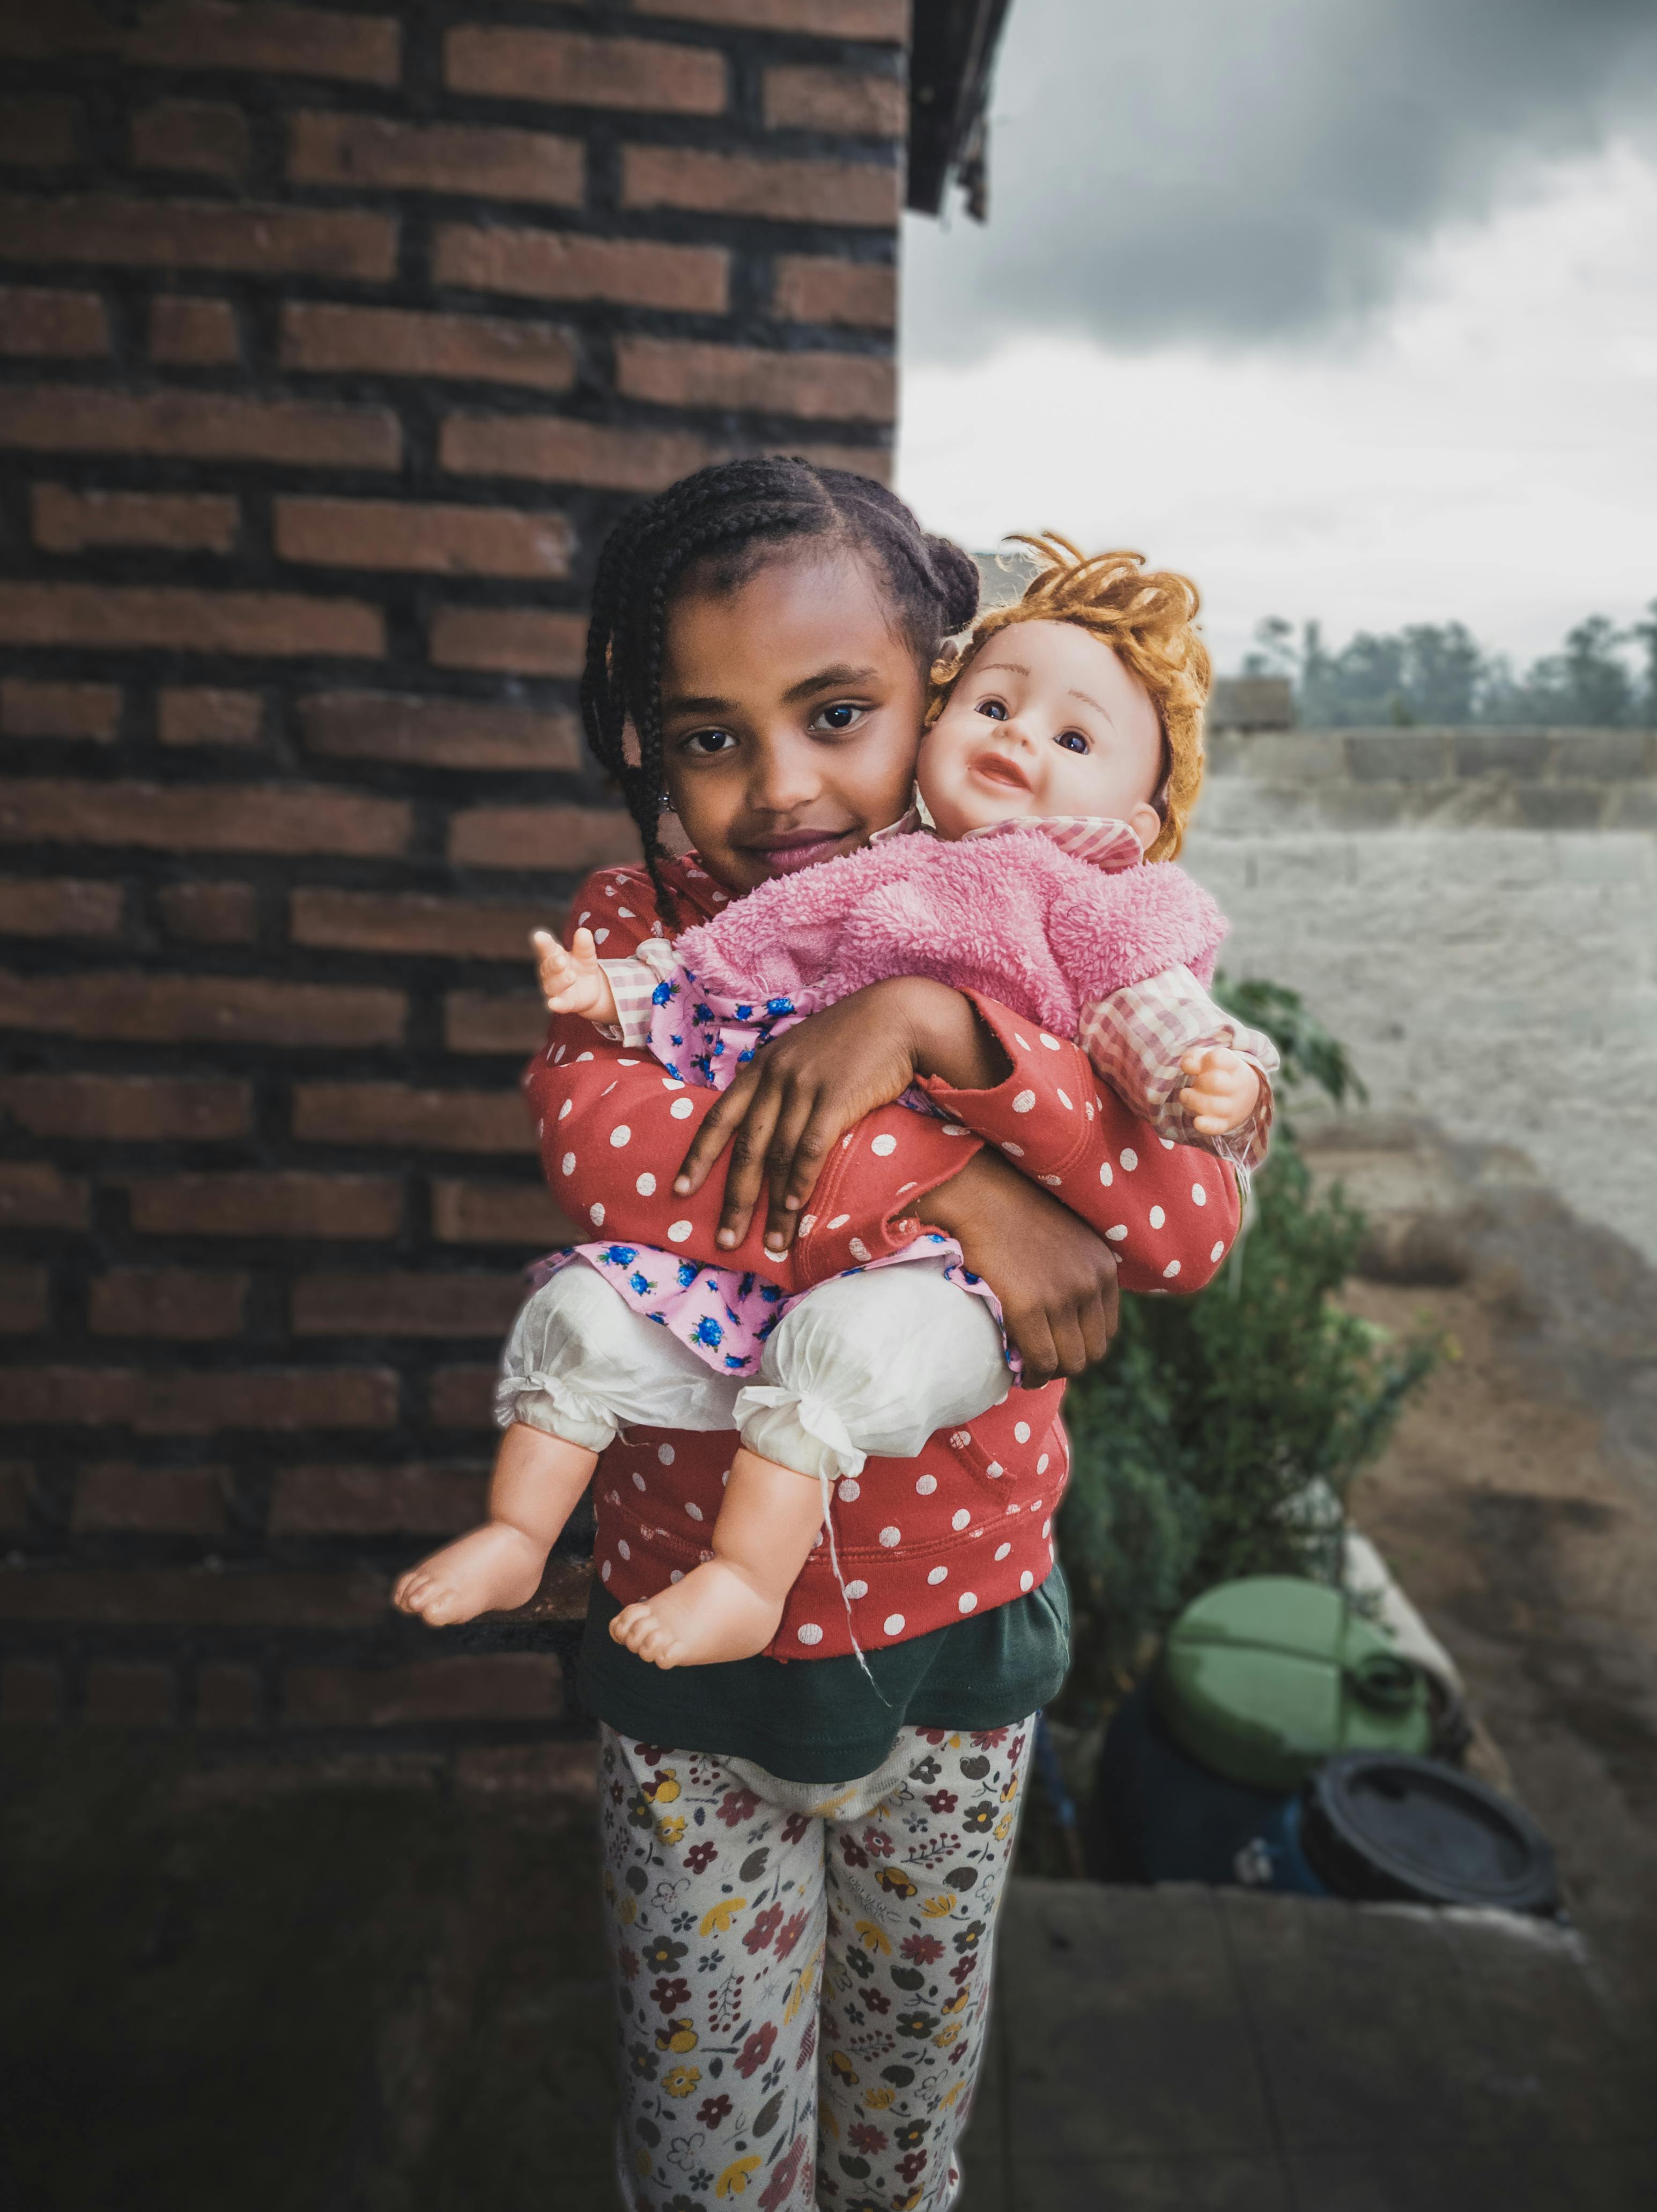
[{"x": 1383, "y": 1825}]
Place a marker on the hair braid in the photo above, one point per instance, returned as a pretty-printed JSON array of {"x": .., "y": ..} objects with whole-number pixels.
[{"x": 724, "y": 521}]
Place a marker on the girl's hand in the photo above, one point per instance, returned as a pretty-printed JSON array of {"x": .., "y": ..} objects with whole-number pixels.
[
  {"x": 1055, "y": 1277},
  {"x": 1223, "y": 1091},
  {"x": 573, "y": 983},
  {"x": 786, "y": 1110}
]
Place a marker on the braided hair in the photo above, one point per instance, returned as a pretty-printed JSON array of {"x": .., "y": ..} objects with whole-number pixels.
[{"x": 725, "y": 520}]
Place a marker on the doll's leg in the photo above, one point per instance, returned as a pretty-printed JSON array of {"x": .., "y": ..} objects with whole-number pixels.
[
  {"x": 728, "y": 1607},
  {"x": 868, "y": 1363},
  {"x": 579, "y": 1364}
]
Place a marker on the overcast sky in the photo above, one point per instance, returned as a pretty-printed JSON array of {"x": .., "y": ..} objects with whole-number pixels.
[{"x": 1349, "y": 307}]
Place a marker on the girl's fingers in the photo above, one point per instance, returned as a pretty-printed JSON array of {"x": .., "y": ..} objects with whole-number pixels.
[
  {"x": 1069, "y": 1345},
  {"x": 745, "y": 1178},
  {"x": 714, "y": 1134},
  {"x": 1095, "y": 1330},
  {"x": 797, "y": 1156},
  {"x": 1033, "y": 1339}
]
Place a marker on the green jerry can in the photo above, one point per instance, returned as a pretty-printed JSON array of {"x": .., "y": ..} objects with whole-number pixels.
[{"x": 1262, "y": 1679}]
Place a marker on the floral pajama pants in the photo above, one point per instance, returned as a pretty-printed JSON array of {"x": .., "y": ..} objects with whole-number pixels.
[{"x": 803, "y": 1970}]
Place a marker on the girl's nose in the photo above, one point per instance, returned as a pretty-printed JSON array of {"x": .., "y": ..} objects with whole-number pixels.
[{"x": 784, "y": 776}]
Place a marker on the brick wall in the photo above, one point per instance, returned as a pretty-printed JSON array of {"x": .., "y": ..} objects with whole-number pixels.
[{"x": 333, "y": 337}]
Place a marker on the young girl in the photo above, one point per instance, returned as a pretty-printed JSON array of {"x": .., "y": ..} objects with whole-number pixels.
[
  {"x": 1070, "y": 718},
  {"x": 802, "y": 1958}
]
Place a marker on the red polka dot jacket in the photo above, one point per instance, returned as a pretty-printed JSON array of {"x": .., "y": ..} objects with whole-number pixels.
[{"x": 967, "y": 1524}]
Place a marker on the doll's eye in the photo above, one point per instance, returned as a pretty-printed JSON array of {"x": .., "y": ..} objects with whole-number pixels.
[
  {"x": 1074, "y": 742},
  {"x": 994, "y": 708}
]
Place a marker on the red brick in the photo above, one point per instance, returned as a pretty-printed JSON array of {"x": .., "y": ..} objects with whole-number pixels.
[
  {"x": 31, "y": 1694},
  {"x": 522, "y": 1214},
  {"x": 59, "y": 710},
  {"x": 185, "y": 1304},
  {"x": 416, "y": 923},
  {"x": 35, "y": 321},
  {"x": 548, "y": 264},
  {"x": 191, "y": 333},
  {"x": 174, "y": 1501},
  {"x": 17, "y": 1494},
  {"x": 24, "y": 1300},
  {"x": 570, "y": 70},
  {"x": 537, "y": 1770},
  {"x": 886, "y": 20},
  {"x": 147, "y": 1008},
  {"x": 198, "y": 1597},
  {"x": 845, "y": 101},
  {"x": 405, "y": 1305},
  {"x": 400, "y": 342},
  {"x": 128, "y": 1694},
  {"x": 39, "y": 133},
  {"x": 265, "y": 241},
  {"x": 226, "y": 1696},
  {"x": 846, "y": 193},
  {"x": 812, "y": 288},
  {"x": 514, "y": 640},
  {"x": 35, "y": 1196},
  {"x": 483, "y": 1021},
  {"x": 48, "y": 907},
  {"x": 396, "y": 1114},
  {"x": 200, "y": 426},
  {"x": 837, "y": 386},
  {"x": 288, "y": 1204},
  {"x": 453, "y": 541},
  {"x": 520, "y": 1686},
  {"x": 199, "y": 35},
  {"x": 375, "y": 1501},
  {"x": 99, "y": 617},
  {"x": 566, "y": 837},
  {"x": 201, "y": 715},
  {"x": 463, "y": 1398},
  {"x": 377, "y": 154},
  {"x": 203, "y": 137},
  {"x": 246, "y": 818},
  {"x": 68, "y": 521},
  {"x": 161, "y": 1404},
  {"x": 209, "y": 914},
  {"x": 128, "y": 1107},
  {"x": 551, "y": 449},
  {"x": 432, "y": 733}
]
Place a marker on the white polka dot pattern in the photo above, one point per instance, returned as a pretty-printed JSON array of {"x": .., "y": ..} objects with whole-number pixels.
[{"x": 883, "y": 1146}]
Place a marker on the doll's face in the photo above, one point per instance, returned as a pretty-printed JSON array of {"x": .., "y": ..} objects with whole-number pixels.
[{"x": 1046, "y": 720}]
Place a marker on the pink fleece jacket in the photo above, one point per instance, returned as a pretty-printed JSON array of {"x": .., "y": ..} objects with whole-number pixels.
[{"x": 1011, "y": 916}]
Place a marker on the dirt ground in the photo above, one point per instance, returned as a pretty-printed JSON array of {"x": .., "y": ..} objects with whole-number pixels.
[{"x": 1518, "y": 1501}]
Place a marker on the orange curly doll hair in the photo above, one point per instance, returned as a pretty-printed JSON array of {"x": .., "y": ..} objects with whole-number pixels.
[{"x": 1148, "y": 619}]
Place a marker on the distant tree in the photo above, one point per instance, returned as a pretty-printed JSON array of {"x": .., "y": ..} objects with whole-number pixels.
[{"x": 1438, "y": 674}]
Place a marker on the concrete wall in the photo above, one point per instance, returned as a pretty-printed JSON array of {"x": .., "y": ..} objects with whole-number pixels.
[{"x": 1475, "y": 912}]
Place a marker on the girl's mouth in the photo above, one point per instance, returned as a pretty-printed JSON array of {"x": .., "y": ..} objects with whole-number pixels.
[{"x": 787, "y": 852}]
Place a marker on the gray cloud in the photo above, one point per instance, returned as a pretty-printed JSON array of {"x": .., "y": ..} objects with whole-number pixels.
[{"x": 1234, "y": 172}]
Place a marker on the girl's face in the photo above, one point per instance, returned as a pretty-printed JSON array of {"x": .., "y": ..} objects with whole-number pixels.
[
  {"x": 1046, "y": 720},
  {"x": 791, "y": 716}
]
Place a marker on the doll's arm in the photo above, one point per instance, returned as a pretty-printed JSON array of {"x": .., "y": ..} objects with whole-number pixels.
[
  {"x": 576, "y": 982},
  {"x": 1194, "y": 1072}
]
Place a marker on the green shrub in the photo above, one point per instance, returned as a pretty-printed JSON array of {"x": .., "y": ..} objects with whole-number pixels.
[{"x": 1192, "y": 1443}]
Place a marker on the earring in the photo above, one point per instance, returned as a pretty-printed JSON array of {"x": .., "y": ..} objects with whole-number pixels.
[{"x": 664, "y": 804}]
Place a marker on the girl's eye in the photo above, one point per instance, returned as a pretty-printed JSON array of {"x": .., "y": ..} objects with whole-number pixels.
[
  {"x": 843, "y": 715},
  {"x": 994, "y": 708},
  {"x": 1073, "y": 741},
  {"x": 706, "y": 743}
]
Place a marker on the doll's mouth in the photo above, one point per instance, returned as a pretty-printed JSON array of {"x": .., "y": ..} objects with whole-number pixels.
[{"x": 997, "y": 769}]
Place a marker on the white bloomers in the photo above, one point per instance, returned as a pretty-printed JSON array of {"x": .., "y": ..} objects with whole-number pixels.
[{"x": 865, "y": 1364}]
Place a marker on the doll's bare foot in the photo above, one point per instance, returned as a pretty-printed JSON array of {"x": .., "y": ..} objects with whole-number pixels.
[
  {"x": 494, "y": 1569},
  {"x": 713, "y": 1614}
]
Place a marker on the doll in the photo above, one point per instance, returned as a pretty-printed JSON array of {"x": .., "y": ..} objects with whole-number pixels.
[{"x": 1062, "y": 751}]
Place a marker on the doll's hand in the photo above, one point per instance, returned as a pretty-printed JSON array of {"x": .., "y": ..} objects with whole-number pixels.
[
  {"x": 573, "y": 982},
  {"x": 1224, "y": 1091}
]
